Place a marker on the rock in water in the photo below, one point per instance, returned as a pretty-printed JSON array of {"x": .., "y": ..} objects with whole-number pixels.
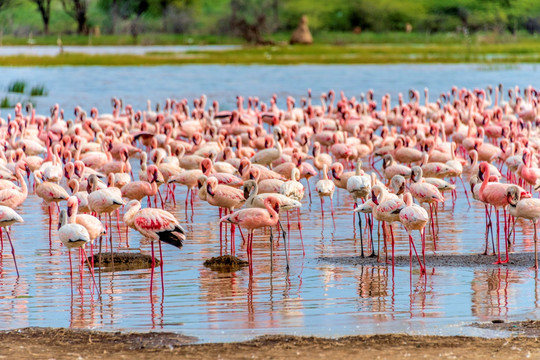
[{"x": 302, "y": 35}]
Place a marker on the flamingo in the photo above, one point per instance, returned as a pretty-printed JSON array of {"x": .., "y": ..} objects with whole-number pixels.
[
  {"x": 50, "y": 193},
  {"x": 224, "y": 197},
  {"x": 72, "y": 236},
  {"x": 9, "y": 217},
  {"x": 155, "y": 224},
  {"x": 523, "y": 206},
  {"x": 325, "y": 187},
  {"x": 414, "y": 217},
  {"x": 256, "y": 218}
]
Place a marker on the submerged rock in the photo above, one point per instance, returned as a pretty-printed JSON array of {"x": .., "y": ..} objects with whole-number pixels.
[
  {"x": 225, "y": 263},
  {"x": 122, "y": 261}
]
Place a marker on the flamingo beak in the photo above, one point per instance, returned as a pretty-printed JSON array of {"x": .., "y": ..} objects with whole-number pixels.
[
  {"x": 480, "y": 175},
  {"x": 335, "y": 175},
  {"x": 374, "y": 198},
  {"x": 69, "y": 211},
  {"x": 209, "y": 190}
]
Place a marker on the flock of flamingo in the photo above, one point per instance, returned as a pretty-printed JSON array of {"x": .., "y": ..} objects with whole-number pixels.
[{"x": 249, "y": 162}]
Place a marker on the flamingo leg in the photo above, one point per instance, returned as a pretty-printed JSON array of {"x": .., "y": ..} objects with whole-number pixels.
[
  {"x": 505, "y": 235},
  {"x": 1, "y": 242},
  {"x": 322, "y": 207},
  {"x": 361, "y": 235},
  {"x": 465, "y": 189},
  {"x": 111, "y": 242},
  {"x": 161, "y": 270},
  {"x": 118, "y": 226},
  {"x": 433, "y": 227},
  {"x": 70, "y": 272},
  {"x": 50, "y": 226},
  {"x": 422, "y": 269},
  {"x": 300, "y": 230},
  {"x": 13, "y": 252},
  {"x": 91, "y": 270},
  {"x": 332, "y": 211},
  {"x": 232, "y": 239},
  {"x": 498, "y": 244},
  {"x": 535, "y": 247},
  {"x": 392, "y": 234},
  {"x": 309, "y": 190},
  {"x": 285, "y": 245},
  {"x": 220, "y": 233},
  {"x": 152, "y": 270},
  {"x": 370, "y": 226}
]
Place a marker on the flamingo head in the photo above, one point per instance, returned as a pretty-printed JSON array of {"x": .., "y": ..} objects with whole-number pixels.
[
  {"x": 482, "y": 169},
  {"x": 211, "y": 183},
  {"x": 374, "y": 197},
  {"x": 337, "y": 170},
  {"x": 206, "y": 166}
]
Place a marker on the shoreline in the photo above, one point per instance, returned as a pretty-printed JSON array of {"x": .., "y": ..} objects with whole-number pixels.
[{"x": 88, "y": 344}]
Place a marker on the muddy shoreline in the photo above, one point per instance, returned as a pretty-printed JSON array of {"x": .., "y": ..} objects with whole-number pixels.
[
  {"x": 86, "y": 344},
  {"x": 517, "y": 260}
]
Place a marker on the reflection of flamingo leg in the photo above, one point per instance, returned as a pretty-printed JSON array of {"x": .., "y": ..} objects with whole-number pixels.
[{"x": 13, "y": 252}]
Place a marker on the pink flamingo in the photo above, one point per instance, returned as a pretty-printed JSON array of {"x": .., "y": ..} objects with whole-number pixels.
[
  {"x": 155, "y": 224},
  {"x": 224, "y": 197},
  {"x": 189, "y": 179},
  {"x": 9, "y": 217},
  {"x": 256, "y": 218},
  {"x": 136, "y": 190},
  {"x": 414, "y": 217},
  {"x": 72, "y": 236},
  {"x": 426, "y": 193},
  {"x": 50, "y": 193},
  {"x": 494, "y": 193},
  {"x": 325, "y": 187}
]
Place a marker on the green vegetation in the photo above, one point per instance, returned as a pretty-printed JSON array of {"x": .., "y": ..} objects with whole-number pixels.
[
  {"x": 176, "y": 21},
  {"x": 474, "y": 51},
  {"x": 38, "y": 90},
  {"x": 5, "y": 103},
  {"x": 17, "y": 87}
]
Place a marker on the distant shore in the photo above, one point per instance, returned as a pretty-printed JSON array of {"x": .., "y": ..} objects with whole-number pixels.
[{"x": 335, "y": 48}]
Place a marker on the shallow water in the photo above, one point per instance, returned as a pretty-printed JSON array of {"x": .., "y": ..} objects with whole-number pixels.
[
  {"x": 315, "y": 297},
  {"x": 47, "y": 50}
]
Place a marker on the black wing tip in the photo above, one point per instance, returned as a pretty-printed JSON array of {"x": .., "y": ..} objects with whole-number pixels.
[{"x": 173, "y": 237}]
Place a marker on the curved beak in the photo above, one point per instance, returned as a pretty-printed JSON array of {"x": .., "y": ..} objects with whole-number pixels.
[{"x": 209, "y": 190}]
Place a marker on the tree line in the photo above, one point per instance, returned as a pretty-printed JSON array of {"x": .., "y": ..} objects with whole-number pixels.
[{"x": 256, "y": 19}]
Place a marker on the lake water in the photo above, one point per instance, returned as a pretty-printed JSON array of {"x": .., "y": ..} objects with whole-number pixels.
[{"x": 316, "y": 297}]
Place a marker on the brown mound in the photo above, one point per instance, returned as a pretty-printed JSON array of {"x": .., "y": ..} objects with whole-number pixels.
[
  {"x": 225, "y": 263},
  {"x": 302, "y": 35},
  {"x": 122, "y": 261}
]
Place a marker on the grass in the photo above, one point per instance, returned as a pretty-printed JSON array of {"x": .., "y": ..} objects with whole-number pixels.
[
  {"x": 17, "y": 86},
  {"x": 329, "y": 48},
  {"x": 38, "y": 90},
  {"x": 5, "y": 103},
  {"x": 314, "y": 54}
]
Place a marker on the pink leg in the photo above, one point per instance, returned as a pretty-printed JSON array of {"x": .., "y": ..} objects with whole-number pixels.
[
  {"x": 13, "y": 253},
  {"x": 161, "y": 268},
  {"x": 332, "y": 210},
  {"x": 152, "y": 270},
  {"x": 118, "y": 226},
  {"x": 233, "y": 229},
  {"x": 433, "y": 227},
  {"x": 309, "y": 190},
  {"x": 300, "y": 230},
  {"x": 498, "y": 244},
  {"x": 70, "y": 272},
  {"x": 220, "y": 233}
]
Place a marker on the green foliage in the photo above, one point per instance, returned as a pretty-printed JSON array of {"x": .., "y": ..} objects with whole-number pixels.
[
  {"x": 224, "y": 17},
  {"x": 17, "y": 86},
  {"x": 5, "y": 103},
  {"x": 38, "y": 90}
]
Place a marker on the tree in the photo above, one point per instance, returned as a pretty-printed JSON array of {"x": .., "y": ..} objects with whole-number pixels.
[
  {"x": 251, "y": 19},
  {"x": 44, "y": 7},
  {"x": 126, "y": 10},
  {"x": 77, "y": 10},
  {"x": 4, "y": 4}
]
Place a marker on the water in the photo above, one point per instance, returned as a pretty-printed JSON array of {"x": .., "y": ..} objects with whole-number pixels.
[
  {"x": 316, "y": 297},
  {"x": 47, "y": 50}
]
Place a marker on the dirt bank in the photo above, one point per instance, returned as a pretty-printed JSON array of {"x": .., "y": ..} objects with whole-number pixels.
[{"x": 46, "y": 343}]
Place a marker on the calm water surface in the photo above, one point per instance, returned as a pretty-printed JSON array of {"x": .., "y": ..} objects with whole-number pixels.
[{"x": 315, "y": 297}]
